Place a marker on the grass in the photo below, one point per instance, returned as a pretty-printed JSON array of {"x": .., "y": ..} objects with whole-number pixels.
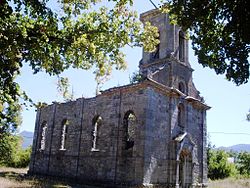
[
  {"x": 17, "y": 178},
  {"x": 230, "y": 183}
]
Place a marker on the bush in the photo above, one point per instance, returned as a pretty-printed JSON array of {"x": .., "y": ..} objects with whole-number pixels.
[
  {"x": 219, "y": 167},
  {"x": 243, "y": 161},
  {"x": 8, "y": 147},
  {"x": 21, "y": 159},
  {"x": 12, "y": 155}
]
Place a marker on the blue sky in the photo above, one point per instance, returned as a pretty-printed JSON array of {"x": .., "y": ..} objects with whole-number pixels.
[{"x": 229, "y": 103}]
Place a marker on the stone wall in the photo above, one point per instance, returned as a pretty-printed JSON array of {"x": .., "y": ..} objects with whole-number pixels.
[
  {"x": 153, "y": 158},
  {"x": 110, "y": 162}
]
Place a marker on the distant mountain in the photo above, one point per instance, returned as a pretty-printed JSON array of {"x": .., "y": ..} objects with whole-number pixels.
[
  {"x": 27, "y": 138},
  {"x": 237, "y": 148}
]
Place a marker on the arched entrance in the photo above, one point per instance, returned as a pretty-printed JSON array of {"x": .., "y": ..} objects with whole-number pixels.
[{"x": 185, "y": 169}]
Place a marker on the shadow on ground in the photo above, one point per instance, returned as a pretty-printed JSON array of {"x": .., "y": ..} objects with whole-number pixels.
[{"x": 24, "y": 180}]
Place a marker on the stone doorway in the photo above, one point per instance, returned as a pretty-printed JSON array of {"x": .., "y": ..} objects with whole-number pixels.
[{"x": 185, "y": 169}]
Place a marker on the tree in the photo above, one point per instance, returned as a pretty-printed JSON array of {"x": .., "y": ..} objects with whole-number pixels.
[
  {"x": 8, "y": 126},
  {"x": 244, "y": 163},
  {"x": 74, "y": 34},
  {"x": 220, "y": 33},
  {"x": 219, "y": 167},
  {"x": 63, "y": 88},
  {"x": 136, "y": 78},
  {"x": 210, "y": 149}
]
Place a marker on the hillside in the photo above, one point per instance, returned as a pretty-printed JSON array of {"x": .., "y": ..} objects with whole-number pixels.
[
  {"x": 236, "y": 148},
  {"x": 27, "y": 138}
]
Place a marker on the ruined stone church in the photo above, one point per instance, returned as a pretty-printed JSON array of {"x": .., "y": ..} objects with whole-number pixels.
[{"x": 151, "y": 133}]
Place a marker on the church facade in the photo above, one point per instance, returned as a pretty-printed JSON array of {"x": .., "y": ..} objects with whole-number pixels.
[{"x": 152, "y": 133}]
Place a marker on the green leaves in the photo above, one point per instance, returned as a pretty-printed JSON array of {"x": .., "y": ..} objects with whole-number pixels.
[
  {"x": 150, "y": 37},
  {"x": 220, "y": 36},
  {"x": 219, "y": 167},
  {"x": 63, "y": 89},
  {"x": 244, "y": 163},
  {"x": 78, "y": 34}
]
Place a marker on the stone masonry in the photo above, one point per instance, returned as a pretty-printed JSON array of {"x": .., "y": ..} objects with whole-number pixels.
[{"x": 152, "y": 133}]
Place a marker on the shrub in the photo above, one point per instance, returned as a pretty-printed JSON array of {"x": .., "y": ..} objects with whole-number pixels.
[
  {"x": 13, "y": 155},
  {"x": 219, "y": 167},
  {"x": 243, "y": 161},
  {"x": 21, "y": 159}
]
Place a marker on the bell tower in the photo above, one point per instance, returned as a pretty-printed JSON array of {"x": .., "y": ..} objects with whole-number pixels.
[
  {"x": 172, "y": 38},
  {"x": 168, "y": 64}
]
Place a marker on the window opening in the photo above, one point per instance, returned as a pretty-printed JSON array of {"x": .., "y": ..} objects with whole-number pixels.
[
  {"x": 181, "y": 46},
  {"x": 182, "y": 87},
  {"x": 130, "y": 122},
  {"x": 97, "y": 124},
  {"x": 181, "y": 115},
  {"x": 43, "y": 135},
  {"x": 65, "y": 123}
]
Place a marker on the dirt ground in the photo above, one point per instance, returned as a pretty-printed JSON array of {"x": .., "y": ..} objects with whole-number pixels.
[{"x": 17, "y": 178}]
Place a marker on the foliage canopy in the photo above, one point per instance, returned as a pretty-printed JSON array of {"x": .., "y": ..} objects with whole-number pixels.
[
  {"x": 72, "y": 33},
  {"x": 85, "y": 34},
  {"x": 220, "y": 33}
]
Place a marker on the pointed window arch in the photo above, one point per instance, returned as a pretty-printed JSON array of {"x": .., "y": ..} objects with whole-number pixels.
[
  {"x": 129, "y": 124},
  {"x": 44, "y": 127},
  {"x": 64, "y": 132},
  {"x": 181, "y": 46},
  {"x": 97, "y": 121}
]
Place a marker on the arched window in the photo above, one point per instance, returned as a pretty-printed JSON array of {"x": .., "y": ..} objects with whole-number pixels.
[
  {"x": 129, "y": 124},
  {"x": 43, "y": 135},
  {"x": 181, "y": 45},
  {"x": 64, "y": 132},
  {"x": 97, "y": 121},
  {"x": 182, "y": 87},
  {"x": 181, "y": 116}
]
